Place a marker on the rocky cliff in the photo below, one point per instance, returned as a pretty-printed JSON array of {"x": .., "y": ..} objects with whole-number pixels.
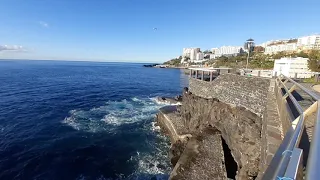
[
  {"x": 217, "y": 136},
  {"x": 240, "y": 128}
]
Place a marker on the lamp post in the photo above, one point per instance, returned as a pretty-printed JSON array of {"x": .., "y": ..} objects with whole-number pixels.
[{"x": 249, "y": 46}]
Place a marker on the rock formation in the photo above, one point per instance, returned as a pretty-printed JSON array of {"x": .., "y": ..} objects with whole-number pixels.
[{"x": 197, "y": 130}]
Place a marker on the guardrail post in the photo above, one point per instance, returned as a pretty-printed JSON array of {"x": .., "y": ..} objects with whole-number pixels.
[
  {"x": 259, "y": 73},
  {"x": 211, "y": 74},
  {"x": 196, "y": 74},
  {"x": 190, "y": 75},
  {"x": 295, "y": 75},
  {"x": 202, "y": 75}
]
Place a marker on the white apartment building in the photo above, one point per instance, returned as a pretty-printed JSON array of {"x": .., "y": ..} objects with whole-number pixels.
[
  {"x": 268, "y": 43},
  {"x": 187, "y": 51},
  {"x": 213, "y": 56},
  {"x": 193, "y": 54},
  {"x": 199, "y": 56},
  {"x": 290, "y": 66},
  {"x": 309, "y": 42},
  {"x": 227, "y": 50},
  {"x": 280, "y": 47}
]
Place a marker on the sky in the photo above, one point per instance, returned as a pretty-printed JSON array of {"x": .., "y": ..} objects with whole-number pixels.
[{"x": 123, "y": 30}]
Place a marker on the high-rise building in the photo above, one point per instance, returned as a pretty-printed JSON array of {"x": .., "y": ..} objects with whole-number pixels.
[
  {"x": 199, "y": 56},
  {"x": 187, "y": 51},
  {"x": 193, "y": 54},
  {"x": 309, "y": 42}
]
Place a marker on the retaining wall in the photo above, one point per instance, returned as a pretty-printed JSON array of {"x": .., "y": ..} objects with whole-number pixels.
[{"x": 248, "y": 92}]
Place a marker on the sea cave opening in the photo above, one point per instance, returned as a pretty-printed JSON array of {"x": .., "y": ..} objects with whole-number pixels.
[{"x": 230, "y": 163}]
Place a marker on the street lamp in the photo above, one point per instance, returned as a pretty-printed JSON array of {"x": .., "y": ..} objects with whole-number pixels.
[{"x": 248, "y": 45}]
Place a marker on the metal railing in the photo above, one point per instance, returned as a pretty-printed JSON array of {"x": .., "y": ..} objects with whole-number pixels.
[{"x": 287, "y": 161}]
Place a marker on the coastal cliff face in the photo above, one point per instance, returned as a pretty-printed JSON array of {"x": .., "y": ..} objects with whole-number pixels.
[
  {"x": 240, "y": 128},
  {"x": 216, "y": 132}
]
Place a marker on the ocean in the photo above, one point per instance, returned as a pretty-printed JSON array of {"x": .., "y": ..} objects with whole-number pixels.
[{"x": 83, "y": 120}]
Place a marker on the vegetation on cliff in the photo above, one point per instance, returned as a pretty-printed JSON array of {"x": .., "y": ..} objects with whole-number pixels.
[
  {"x": 174, "y": 62},
  {"x": 259, "y": 60},
  {"x": 314, "y": 61}
]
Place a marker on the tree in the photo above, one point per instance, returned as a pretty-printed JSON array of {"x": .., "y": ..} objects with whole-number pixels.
[
  {"x": 206, "y": 52},
  {"x": 302, "y": 54},
  {"x": 293, "y": 41},
  {"x": 258, "y": 49},
  {"x": 173, "y": 62},
  {"x": 223, "y": 58},
  {"x": 279, "y": 55},
  {"x": 314, "y": 61}
]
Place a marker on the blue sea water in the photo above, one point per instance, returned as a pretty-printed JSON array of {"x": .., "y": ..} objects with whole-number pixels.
[{"x": 83, "y": 120}]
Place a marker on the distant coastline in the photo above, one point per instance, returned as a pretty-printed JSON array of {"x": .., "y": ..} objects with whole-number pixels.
[{"x": 164, "y": 66}]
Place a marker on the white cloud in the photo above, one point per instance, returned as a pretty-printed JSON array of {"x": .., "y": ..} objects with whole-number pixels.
[
  {"x": 44, "y": 24},
  {"x": 11, "y": 48}
]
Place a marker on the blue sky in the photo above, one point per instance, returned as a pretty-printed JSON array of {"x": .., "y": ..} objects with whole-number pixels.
[{"x": 122, "y": 30}]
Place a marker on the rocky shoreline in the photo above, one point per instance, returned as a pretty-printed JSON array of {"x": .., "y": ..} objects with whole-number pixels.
[{"x": 208, "y": 141}]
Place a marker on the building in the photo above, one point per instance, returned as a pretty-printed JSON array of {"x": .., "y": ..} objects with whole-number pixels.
[
  {"x": 273, "y": 42},
  {"x": 292, "y": 67},
  {"x": 227, "y": 51},
  {"x": 199, "y": 56},
  {"x": 187, "y": 51},
  {"x": 265, "y": 44},
  {"x": 213, "y": 56},
  {"x": 309, "y": 42},
  {"x": 189, "y": 54},
  {"x": 275, "y": 48}
]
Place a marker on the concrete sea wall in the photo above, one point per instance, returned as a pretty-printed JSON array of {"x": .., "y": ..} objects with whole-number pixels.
[{"x": 247, "y": 92}]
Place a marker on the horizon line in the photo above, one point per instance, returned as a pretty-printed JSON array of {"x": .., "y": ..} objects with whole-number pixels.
[{"x": 106, "y": 61}]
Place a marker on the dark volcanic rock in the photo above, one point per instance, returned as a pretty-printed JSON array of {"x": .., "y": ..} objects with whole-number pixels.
[
  {"x": 207, "y": 120},
  {"x": 176, "y": 150},
  {"x": 240, "y": 128},
  {"x": 150, "y": 65},
  {"x": 202, "y": 159},
  {"x": 168, "y": 100}
]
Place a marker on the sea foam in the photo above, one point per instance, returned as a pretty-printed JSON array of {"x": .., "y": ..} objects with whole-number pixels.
[{"x": 113, "y": 113}]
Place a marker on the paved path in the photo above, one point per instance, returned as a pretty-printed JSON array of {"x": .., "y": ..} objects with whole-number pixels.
[
  {"x": 316, "y": 87},
  {"x": 305, "y": 102}
]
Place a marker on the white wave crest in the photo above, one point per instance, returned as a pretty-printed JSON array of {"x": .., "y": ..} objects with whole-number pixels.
[
  {"x": 113, "y": 113},
  {"x": 155, "y": 99},
  {"x": 154, "y": 127}
]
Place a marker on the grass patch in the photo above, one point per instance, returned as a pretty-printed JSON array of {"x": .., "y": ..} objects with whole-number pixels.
[{"x": 310, "y": 80}]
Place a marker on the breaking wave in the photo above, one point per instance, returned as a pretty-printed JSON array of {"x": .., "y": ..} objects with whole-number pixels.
[
  {"x": 113, "y": 113},
  {"x": 156, "y": 99},
  {"x": 153, "y": 163}
]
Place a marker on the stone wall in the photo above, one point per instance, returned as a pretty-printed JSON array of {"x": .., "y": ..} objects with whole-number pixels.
[
  {"x": 247, "y": 92},
  {"x": 271, "y": 135}
]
